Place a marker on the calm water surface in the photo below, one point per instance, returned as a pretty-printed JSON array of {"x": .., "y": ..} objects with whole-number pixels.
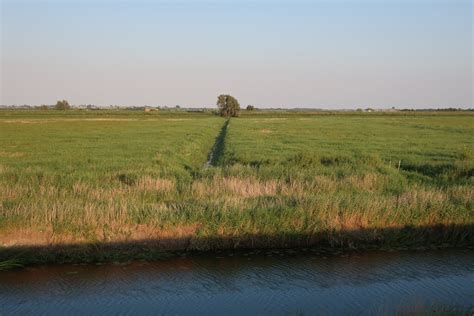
[{"x": 426, "y": 282}]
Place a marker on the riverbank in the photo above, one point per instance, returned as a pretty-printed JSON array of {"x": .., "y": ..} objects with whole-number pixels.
[
  {"x": 119, "y": 180},
  {"x": 390, "y": 239}
]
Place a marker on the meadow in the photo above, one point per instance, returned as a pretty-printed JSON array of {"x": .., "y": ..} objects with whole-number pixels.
[{"x": 276, "y": 179}]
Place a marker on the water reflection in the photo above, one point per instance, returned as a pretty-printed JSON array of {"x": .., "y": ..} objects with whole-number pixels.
[{"x": 266, "y": 282}]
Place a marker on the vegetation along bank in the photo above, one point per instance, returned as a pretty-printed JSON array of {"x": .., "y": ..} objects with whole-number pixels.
[{"x": 90, "y": 185}]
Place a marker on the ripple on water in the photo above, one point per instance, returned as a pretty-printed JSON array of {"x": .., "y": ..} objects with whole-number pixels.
[{"x": 372, "y": 282}]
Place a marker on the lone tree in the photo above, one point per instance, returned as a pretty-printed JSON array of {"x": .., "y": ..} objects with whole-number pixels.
[
  {"x": 62, "y": 105},
  {"x": 228, "y": 105},
  {"x": 250, "y": 107}
]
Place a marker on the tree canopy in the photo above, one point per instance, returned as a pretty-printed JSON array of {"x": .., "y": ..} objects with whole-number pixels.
[
  {"x": 228, "y": 105},
  {"x": 62, "y": 105}
]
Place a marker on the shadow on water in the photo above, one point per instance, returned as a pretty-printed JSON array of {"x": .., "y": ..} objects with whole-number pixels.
[
  {"x": 407, "y": 237},
  {"x": 257, "y": 282}
]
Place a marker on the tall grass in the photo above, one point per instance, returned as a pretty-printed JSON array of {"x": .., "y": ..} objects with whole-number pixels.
[{"x": 133, "y": 176}]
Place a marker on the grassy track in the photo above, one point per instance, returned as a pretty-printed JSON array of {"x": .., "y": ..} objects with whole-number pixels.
[{"x": 277, "y": 179}]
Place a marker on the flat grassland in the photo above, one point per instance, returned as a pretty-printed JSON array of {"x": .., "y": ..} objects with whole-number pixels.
[{"x": 277, "y": 179}]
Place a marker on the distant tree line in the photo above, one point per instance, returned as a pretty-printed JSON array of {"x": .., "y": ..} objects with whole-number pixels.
[
  {"x": 228, "y": 106},
  {"x": 437, "y": 110}
]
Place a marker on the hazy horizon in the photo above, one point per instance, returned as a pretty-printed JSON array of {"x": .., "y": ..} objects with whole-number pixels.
[{"x": 295, "y": 54}]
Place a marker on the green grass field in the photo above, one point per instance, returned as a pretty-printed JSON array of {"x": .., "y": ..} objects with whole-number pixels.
[{"x": 342, "y": 178}]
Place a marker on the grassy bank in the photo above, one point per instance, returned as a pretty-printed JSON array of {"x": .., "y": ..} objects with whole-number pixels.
[{"x": 118, "y": 179}]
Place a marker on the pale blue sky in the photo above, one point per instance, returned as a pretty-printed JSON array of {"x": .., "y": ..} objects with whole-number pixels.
[{"x": 326, "y": 54}]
